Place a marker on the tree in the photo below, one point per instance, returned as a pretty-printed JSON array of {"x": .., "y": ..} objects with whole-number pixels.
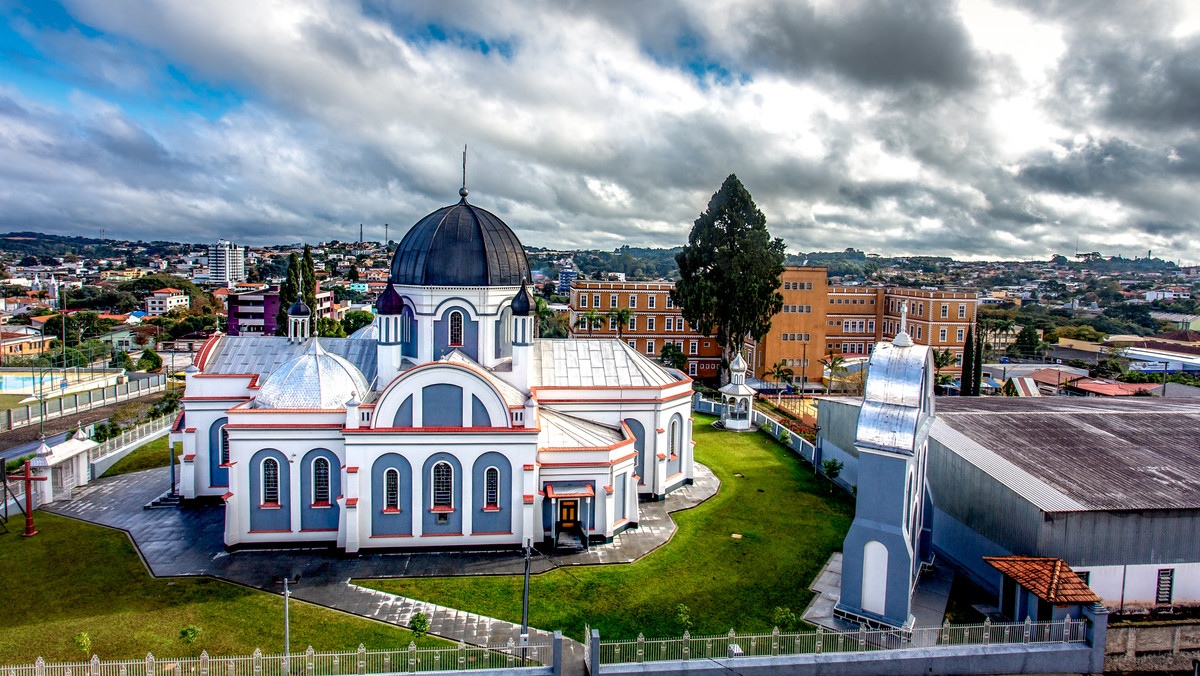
[
  {"x": 327, "y": 327},
  {"x": 308, "y": 279},
  {"x": 122, "y": 360},
  {"x": 1026, "y": 345},
  {"x": 588, "y": 320},
  {"x": 352, "y": 275},
  {"x": 355, "y": 320},
  {"x": 836, "y": 364},
  {"x": 833, "y": 469},
  {"x": 781, "y": 373},
  {"x": 968, "y": 367},
  {"x": 940, "y": 361},
  {"x": 288, "y": 292},
  {"x": 620, "y": 316},
  {"x": 550, "y": 324},
  {"x": 672, "y": 355},
  {"x": 730, "y": 270},
  {"x": 149, "y": 361}
]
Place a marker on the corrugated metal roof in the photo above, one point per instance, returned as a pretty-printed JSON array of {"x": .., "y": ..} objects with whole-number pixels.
[
  {"x": 560, "y": 430},
  {"x": 260, "y": 355},
  {"x": 1081, "y": 453},
  {"x": 574, "y": 362}
]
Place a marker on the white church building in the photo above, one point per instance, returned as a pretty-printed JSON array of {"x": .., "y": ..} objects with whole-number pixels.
[{"x": 445, "y": 423}]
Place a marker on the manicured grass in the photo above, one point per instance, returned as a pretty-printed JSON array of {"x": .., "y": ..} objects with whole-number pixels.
[
  {"x": 75, "y": 577},
  {"x": 147, "y": 456},
  {"x": 790, "y": 522}
]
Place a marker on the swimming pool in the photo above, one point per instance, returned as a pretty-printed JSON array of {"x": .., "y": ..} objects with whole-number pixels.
[{"x": 15, "y": 382}]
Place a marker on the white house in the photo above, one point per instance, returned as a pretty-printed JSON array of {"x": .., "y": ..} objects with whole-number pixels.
[{"x": 445, "y": 423}]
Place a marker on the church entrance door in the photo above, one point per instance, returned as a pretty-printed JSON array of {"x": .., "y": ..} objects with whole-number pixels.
[{"x": 568, "y": 513}]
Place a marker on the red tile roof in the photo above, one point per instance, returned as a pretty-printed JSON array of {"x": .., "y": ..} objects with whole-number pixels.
[
  {"x": 1049, "y": 579},
  {"x": 1054, "y": 377},
  {"x": 1111, "y": 388},
  {"x": 168, "y": 290}
]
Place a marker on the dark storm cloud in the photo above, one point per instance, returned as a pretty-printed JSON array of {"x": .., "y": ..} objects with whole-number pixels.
[{"x": 1093, "y": 168}]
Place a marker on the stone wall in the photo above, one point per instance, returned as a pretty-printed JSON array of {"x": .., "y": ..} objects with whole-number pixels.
[{"x": 1163, "y": 647}]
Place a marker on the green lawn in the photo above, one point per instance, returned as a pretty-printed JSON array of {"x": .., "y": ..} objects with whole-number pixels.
[
  {"x": 75, "y": 577},
  {"x": 147, "y": 456},
  {"x": 789, "y": 520}
]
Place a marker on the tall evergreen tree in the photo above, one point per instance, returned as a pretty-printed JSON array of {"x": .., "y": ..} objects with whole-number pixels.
[
  {"x": 288, "y": 292},
  {"x": 729, "y": 270},
  {"x": 968, "y": 364},
  {"x": 978, "y": 364},
  {"x": 308, "y": 283},
  {"x": 353, "y": 274}
]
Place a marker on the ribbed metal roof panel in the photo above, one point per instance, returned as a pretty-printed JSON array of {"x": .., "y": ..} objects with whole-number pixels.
[{"x": 460, "y": 245}]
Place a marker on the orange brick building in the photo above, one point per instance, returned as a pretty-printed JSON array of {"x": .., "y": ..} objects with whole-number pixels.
[{"x": 797, "y": 335}]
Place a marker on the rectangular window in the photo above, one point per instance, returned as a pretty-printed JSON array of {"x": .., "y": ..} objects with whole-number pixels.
[
  {"x": 595, "y": 300},
  {"x": 649, "y": 347},
  {"x": 693, "y": 347},
  {"x": 612, "y": 324},
  {"x": 945, "y": 310},
  {"x": 583, "y": 300},
  {"x": 670, "y": 303},
  {"x": 962, "y": 311},
  {"x": 918, "y": 333},
  {"x": 633, "y": 323},
  {"x": 959, "y": 336},
  {"x": 691, "y": 368},
  {"x": 670, "y": 323},
  {"x": 958, "y": 359},
  {"x": 870, "y": 326},
  {"x": 1085, "y": 575},
  {"x": 633, "y": 343},
  {"x": 1166, "y": 586},
  {"x": 650, "y": 301},
  {"x": 633, "y": 301},
  {"x": 787, "y": 286},
  {"x": 612, "y": 300},
  {"x": 941, "y": 335},
  {"x": 649, "y": 323}
]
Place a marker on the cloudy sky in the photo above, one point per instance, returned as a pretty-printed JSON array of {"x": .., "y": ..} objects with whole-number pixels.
[{"x": 975, "y": 129}]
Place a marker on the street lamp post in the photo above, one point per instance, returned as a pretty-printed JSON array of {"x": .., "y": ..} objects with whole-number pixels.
[
  {"x": 287, "y": 626},
  {"x": 525, "y": 602}
]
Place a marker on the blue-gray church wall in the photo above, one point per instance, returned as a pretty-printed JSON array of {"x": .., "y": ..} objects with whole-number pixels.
[
  {"x": 441, "y": 334},
  {"x": 964, "y": 548},
  {"x": 313, "y": 517},
  {"x": 479, "y": 413},
  {"x": 878, "y": 516},
  {"x": 620, "y": 499},
  {"x": 441, "y": 406},
  {"x": 639, "y": 446},
  {"x": 408, "y": 348},
  {"x": 385, "y": 522},
  {"x": 404, "y": 414},
  {"x": 483, "y": 519},
  {"x": 271, "y": 518},
  {"x": 218, "y": 476},
  {"x": 429, "y": 521}
]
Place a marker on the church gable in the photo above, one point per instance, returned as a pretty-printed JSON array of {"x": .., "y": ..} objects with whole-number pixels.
[{"x": 441, "y": 395}]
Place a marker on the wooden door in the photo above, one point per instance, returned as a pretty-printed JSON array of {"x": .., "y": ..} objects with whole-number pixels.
[{"x": 568, "y": 513}]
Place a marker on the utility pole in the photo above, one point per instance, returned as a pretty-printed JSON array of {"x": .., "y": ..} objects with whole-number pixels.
[
  {"x": 525, "y": 603},
  {"x": 287, "y": 627}
]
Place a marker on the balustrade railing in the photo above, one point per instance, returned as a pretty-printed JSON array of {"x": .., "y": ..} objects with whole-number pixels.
[{"x": 130, "y": 436}]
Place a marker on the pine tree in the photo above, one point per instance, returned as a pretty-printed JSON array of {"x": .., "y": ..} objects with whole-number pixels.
[
  {"x": 288, "y": 292},
  {"x": 978, "y": 364},
  {"x": 968, "y": 364},
  {"x": 353, "y": 274},
  {"x": 730, "y": 269},
  {"x": 309, "y": 282}
]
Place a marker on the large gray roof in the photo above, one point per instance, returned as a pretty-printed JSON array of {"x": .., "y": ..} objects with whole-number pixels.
[
  {"x": 460, "y": 245},
  {"x": 1097, "y": 453},
  {"x": 583, "y": 362},
  {"x": 260, "y": 355}
]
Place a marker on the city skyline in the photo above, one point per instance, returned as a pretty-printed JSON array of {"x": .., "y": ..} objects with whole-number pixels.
[{"x": 971, "y": 130}]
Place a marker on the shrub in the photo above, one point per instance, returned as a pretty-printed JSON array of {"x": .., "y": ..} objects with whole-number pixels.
[
  {"x": 785, "y": 619},
  {"x": 683, "y": 615},
  {"x": 419, "y": 625},
  {"x": 189, "y": 634},
  {"x": 785, "y": 437},
  {"x": 83, "y": 642},
  {"x": 832, "y": 469},
  {"x": 149, "y": 361}
]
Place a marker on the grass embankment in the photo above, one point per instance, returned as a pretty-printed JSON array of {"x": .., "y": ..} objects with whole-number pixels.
[
  {"x": 147, "y": 456},
  {"x": 75, "y": 577},
  {"x": 789, "y": 520}
]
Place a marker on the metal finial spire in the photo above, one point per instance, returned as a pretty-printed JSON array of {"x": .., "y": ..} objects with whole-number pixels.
[
  {"x": 463, "y": 192},
  {"x": 902, "y": 338}
]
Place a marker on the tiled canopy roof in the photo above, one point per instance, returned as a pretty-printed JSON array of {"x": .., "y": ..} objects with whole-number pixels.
[{"x": 1049, "y": 579}]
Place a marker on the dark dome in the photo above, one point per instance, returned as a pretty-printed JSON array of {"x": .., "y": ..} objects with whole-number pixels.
[
  {"x": 389, "y": 302},
  {"x": 299, "y": 309},
  {"x": 522, "y": 305},
  {"x": 460, "y": 245}
]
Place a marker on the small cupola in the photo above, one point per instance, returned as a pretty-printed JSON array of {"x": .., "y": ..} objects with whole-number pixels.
[{"x": 299, "y": 321}]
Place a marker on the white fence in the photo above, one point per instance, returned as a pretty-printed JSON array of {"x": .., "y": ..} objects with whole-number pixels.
[
  {"x": 137, "y": 386},
  {"x": 778, "y": 643},
  {"x": 795, "y": 442},
  {"x": 310, "y": 663},
  {"x": 130, "y": 436}
]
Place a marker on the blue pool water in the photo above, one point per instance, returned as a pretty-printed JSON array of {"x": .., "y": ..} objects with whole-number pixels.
[{"x": 13, "y": 382}]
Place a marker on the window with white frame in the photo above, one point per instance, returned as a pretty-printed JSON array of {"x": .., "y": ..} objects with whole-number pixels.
[
  {"x": 958, "y": 359},
  {"x": 649, "y": 323},
  {"x": 691, "y": 368},
  {"x": 671, "y": 445},
  {"x": 1165, "y": 590},
  {"x": 650, "y": 301},
  {"x": 491, "y": 480},
  {"x": 633, "y": 323},
  {"x": 945, "y": 310},
  {"x": 391, "y": 489},
  {"x": 693, "y": 346},
  {"x": 583, "y": 300},
  {"x": 633, "y": 301},
  {"x": 612, "y": 323},
  {"x": 595, "y": 300},
  {"x": 649, "y": 347},
  {"x": 270, "y": 481},
  {"x": 959, "y": 335},
  {"x": 941, "y": 335},
  {"x": 962, "y": 311},
  {"x": 632, "y": 343},
  {"x": 320, "y": 481},
  {"x": 456, "y": 328},
  {"x": 670, "y": 324},
  {"x": 670, "y": 303},
  {"x": 612, "y": 300},
  {"x": 443, "y": 485}
]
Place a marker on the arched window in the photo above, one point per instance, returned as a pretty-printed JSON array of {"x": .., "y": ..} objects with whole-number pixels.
[
  {"x": 320, "y": 474},
  {"x": 443, "y": 485},
  {"x": 270, "y": 481},
  {"x": 224, "y": 446},
  {"x": 391, "y": 489},
  {"x": 456, "y": 328},
  {"x": 491, "y": 481},
  {"x": 674, "y": 433}
]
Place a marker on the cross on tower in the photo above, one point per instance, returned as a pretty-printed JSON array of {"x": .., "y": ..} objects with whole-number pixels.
[{"x": 28, "y": 478}]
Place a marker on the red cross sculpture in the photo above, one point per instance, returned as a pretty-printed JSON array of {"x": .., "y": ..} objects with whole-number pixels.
[{"x": 28, "y": 478}]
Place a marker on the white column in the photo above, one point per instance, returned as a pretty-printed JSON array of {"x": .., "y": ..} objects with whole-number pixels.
[{"x": 294, "y": 463}]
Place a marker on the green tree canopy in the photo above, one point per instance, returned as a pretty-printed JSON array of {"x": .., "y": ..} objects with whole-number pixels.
[
  {"x": 149, "y": 361},
  {"x": 309, "y": 279},
  {"x": 672, "y": 355},
  {"x": 729, "y": 270},
  {"x": 355, "y": 320},
  {"x": 352, "y": 275},
  {"x": 330, "y": 328},
  {"x": 289, "y": 291}
]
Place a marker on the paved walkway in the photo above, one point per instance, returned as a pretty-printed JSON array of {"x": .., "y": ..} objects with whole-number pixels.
[{"x": 182, "y": 542}]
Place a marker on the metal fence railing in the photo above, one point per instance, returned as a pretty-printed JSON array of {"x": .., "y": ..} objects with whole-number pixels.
[
  {"x": 310, "y": 663},
  {"x": 777, "y": 643},
  {"x": 131, "y": 436},
  {"x": 70, "y": 404}
]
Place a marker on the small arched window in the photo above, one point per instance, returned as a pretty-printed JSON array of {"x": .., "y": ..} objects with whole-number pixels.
[
  {"x": 320, "y": 481},
  {"x": 456, "y": 328},
  {"x": 224, "y": 446},
  {"x": 674, "y": 433},
  {"x": 443, "y": 485},
  {"x": 270, "y": 481},
  {"x": 491, "y": 481},
  {"x": 391, "y": 489}
]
